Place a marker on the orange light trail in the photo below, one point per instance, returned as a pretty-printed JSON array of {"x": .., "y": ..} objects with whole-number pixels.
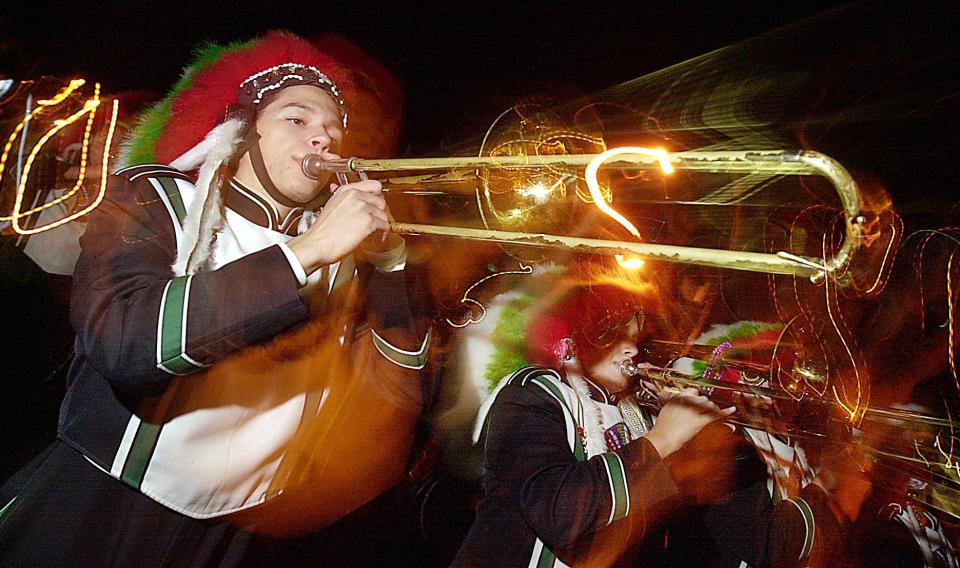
[
  {"x": 858, "y": 408},
  {"x": 590, "y": 176},
  {"x": 951, "y": 343}
]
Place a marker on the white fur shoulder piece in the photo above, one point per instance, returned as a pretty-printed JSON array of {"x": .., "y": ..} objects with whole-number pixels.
[{"x": 204, "y": 214}]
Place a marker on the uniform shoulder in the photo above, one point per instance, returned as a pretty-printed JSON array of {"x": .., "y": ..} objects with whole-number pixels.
[
  {"x": 133, "y": 173},
  {"x": 536, "y": 383},
  {"x": 531, "y": 373}
]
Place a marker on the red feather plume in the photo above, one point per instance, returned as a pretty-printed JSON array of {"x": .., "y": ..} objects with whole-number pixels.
[{"x": 202, "y": 105}]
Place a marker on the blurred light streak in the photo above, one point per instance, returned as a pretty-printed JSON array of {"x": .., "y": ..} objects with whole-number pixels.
[
  {"x": 835, "y": 315},
  {"x": 590, "y": 176},
  {"x": 630, "y": 263},
  {"x": 466, "y": 299},
  {"x": 88, "y": 109},
  {"x": 64, "y": 93},
  {"x": 888, "y": 256}
]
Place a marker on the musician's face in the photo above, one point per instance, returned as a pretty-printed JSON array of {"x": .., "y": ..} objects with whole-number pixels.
[
  {"x": 300, "y": 120},
  {"x": 606, "y": 370}
]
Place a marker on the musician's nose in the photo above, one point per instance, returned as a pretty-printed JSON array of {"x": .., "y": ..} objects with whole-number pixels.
[
  {"x": 320, "y": 141},
  {"x": 629, "y": 348}
]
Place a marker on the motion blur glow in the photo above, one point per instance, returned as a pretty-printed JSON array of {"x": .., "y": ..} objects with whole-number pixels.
[
  {"x": 539, "y": 191},
  {"x": 590, "y": 175},
  {"x": 630, "y": 263},
  {"x": 64, "y": 93}
]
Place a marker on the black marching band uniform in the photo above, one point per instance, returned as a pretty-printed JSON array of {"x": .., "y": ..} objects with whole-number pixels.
[
  {"x": 167, "y": 328},
  {"x": 183, "y": 397},
  {"x": 547, "y": 503}
]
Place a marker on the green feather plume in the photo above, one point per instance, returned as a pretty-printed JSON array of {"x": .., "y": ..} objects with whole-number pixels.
[
  {"x": 141, "y": 145},
  {"x": 509, "y": 340}
]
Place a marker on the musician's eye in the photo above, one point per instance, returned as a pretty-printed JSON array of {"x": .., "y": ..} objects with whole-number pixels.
[{"x": 296, "y": 121}]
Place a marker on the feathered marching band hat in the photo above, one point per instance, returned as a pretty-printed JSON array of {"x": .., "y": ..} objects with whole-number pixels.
[
  {"x": 583, "y": 322},
  {"x": 554, "y": 314},
  {"x": 549, "y": 318},
  {"x": 204, "y": 123}
]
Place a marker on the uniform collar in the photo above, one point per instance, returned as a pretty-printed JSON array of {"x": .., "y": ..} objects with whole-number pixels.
[
  {"x": 597, "y": 392},
  {"x": 256, "y": 209}
]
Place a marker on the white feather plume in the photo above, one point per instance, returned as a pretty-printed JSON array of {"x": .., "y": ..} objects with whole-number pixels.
[{"x": 204, "y": 215}]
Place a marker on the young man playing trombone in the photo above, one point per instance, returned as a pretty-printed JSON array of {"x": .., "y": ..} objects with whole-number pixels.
[{"x": 205, "y": 406}]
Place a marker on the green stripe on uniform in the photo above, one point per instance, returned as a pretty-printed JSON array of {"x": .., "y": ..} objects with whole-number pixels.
[
  {"x": 546, "y": 559},
  {"x": 171, "y": 335},
  {"x": 619, "y": 494},
  {"x": 810, "y": 524},
  {"x": 408, "y": 359},
  {"x": 173, "y": 193},
  {"x": 552, "y": 388},
  {"x": 140, "y": 453}
]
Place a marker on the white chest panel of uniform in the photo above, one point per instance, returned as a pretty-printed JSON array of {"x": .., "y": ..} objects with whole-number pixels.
[{"x": 228, "y": 426}]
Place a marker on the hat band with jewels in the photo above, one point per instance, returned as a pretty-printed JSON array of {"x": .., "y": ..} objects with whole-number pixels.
[{"x": 256, "y": 86}]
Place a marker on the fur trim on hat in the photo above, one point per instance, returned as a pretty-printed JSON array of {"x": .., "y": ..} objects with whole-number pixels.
[
  {"x": 190, "y": 128},
  {"x": 140, "y": 146}
]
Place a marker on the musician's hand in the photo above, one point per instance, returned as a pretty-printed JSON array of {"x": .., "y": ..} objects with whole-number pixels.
[
  {"x": 683, "y": 415},
  {"x": 382, "y": 241},
  {"x": 356, "y": 211}
]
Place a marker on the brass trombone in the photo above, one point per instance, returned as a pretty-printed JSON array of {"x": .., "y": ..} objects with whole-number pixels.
[
  {"x": 760, "y": 407},
  {"x": 456, "y": 169}
]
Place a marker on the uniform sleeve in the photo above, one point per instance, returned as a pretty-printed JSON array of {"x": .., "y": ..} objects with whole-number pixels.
[
  {"x": 804, "y": 530},
  {"x": 138, "y": 325},
  {"x": 795, "y": 532},
  {"x": 561, "y": 498},
  {"x": 398, "y": 318}
]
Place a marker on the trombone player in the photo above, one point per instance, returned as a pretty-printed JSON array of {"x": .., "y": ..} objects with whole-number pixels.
[
  {"x": 573, "y": 479},
  {"x": 201, "y": 389}
]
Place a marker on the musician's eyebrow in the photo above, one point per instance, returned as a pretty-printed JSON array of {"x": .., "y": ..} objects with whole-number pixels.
[
  {"x": 304, "y": 106},
  {"x": 307, "y": 107}
]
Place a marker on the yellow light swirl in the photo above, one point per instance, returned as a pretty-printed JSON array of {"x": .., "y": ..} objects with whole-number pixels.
[
  {"x": 63, "y": 94},
  {"x": 58, "y": 125},
  {"x": 90, "y": 106},
  {"x": 590, "y": 176},
  {"x": 10, "y": 141},
  {"x": 59, "y": 98}
]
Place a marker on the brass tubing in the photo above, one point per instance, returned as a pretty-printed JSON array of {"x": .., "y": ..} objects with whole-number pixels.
[
  {"x": 735, "y": 260},
  {"x": 770, "y": 161}
]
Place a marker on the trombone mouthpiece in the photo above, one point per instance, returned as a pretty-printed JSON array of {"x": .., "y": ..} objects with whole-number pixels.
[
  {"x": 314, "y": 166},
  {"x": 628, "y": 368}
]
